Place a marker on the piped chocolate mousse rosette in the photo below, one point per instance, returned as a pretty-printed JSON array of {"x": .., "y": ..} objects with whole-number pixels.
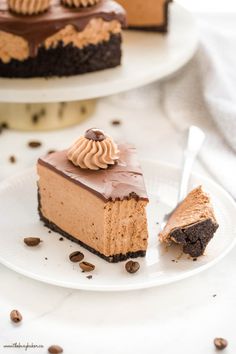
[
  {"x": 28, "y": 7},
  {"x": 93, "y": 151},
  {"x": 80, "y": 3}
]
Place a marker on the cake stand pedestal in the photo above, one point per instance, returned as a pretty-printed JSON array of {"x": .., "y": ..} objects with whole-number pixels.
[
  {"x": 147, "y": 57},
  {"x": 45, "y": 116}
]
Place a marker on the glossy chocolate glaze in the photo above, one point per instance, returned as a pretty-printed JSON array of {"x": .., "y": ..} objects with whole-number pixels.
[
  {"x": 122, "y": 181},
  {"x": 36, "y": 28}
]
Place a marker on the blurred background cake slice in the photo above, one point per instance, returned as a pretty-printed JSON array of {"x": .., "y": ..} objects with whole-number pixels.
[
  {"x": 94, "y": 194},
  {"x": 149, "y": 15}
]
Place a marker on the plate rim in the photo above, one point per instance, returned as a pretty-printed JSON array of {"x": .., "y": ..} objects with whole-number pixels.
[{"x": 128, "y": 287}]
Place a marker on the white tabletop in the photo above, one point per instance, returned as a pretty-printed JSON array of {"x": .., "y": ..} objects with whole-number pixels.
[{"x": 181, "y": 318}]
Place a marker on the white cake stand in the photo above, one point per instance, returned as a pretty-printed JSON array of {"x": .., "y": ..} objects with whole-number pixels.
[{"x": 147, "y": 57}]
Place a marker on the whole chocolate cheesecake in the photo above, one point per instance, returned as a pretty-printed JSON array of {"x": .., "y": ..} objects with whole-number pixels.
[
  {"x": 94, "y": 194},
  {"x": 43, "y": 38},
  {"x": 149, "y": 15}
]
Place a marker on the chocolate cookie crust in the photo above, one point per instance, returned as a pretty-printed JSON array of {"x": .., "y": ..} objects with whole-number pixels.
[
  {"x": 47, "y": 63},
  {"x": 195, "y": 237}
]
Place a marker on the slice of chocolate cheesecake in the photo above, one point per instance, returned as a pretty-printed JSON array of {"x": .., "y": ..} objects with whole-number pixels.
[
  {"x": 94, "y": 194},
  {"x": 192, "y": 224}
]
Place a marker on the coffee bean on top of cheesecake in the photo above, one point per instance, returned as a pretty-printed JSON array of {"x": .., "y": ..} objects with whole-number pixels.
[
  {"x": 94, "y": 194},
  {"x": 192, "y": 224}
]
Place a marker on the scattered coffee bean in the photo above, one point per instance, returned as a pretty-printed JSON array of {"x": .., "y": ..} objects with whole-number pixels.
[
  {"x": 12, "y": 159},
  {"x": 220, "y": 343},
  {"x": 34, "y": 144},
  {"x": 15, "y": 316},
  {"x": 116, "y": 122},
  {"x": 76, "y": 256},
  {"x": 132, "y": 267},
  {"x": 55, "y": 349},
  {"x": 32, "y": 241},
  {"x": 61, "y": 239},
  {"x": 89, "y": 276},
  {"x": 87, "y": 267}
]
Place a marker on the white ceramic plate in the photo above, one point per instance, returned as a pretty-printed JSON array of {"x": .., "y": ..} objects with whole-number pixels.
[
  {"x": 147, "y": 57},
  {"x": 19, "y": 219}
]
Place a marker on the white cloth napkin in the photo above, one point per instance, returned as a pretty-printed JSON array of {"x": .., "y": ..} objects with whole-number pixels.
[{"x": 204, "y": 93}]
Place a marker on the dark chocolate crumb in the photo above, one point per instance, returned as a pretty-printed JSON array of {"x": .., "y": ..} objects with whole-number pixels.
[
  {"x": 46, "y": 258},
  {"x": 49, "y": 231},
  {"x": 51, "y": 151},
  {"x": 115, "y": 122},
  {"x": 194, "y": 259},
  {"x": 89, "y": 276},
  {"x": 12, "y": 159},
  {"x": 61, "y": 239},
  {"x": 34, "y": 144}
]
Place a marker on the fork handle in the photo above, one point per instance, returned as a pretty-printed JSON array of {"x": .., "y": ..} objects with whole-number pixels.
[{"x": 196, "y": 138}]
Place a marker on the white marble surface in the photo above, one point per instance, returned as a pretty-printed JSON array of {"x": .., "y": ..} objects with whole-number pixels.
[{"x": 181, "y": 318}]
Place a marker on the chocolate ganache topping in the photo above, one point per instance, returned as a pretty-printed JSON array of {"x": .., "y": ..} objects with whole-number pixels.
[
  {"x": 124, "y": 180},
  {"x": 37, "y": 28}
]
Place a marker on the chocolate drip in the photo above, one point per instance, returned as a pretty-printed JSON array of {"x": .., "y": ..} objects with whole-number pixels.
[{"x": 36, "y": 29}]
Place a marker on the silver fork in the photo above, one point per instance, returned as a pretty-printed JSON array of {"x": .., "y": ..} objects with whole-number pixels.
[{"x": 196, "y": 138}]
